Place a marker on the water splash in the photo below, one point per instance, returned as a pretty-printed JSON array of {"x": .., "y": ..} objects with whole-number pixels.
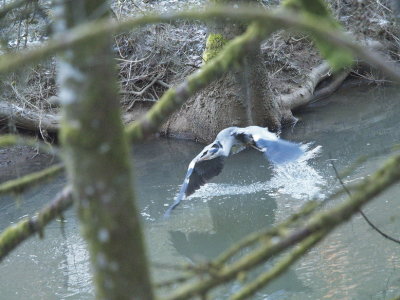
[{"x": 297, "y": 179}]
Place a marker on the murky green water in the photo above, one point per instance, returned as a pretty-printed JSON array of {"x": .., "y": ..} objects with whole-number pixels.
[{"x": 353, "y": 263}]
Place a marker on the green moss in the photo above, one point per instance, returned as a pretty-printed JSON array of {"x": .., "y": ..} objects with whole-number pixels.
[
  {"x": 8, "y": 140},
  {"x": 20, "y": 184},
  {"x": 215, "y": 42}
]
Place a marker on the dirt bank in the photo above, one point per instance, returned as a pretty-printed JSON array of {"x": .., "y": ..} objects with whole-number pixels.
[{"x": 21, "y": 160}]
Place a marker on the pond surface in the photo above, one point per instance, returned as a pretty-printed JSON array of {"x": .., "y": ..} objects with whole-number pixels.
[{"x": 354, "y": 262}]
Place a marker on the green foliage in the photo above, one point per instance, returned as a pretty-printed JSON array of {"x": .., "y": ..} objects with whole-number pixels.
[
  {"x": 314, "y": 7},
  {"x": 318, "y": 12},
  {"x": 337, "y": 57}
]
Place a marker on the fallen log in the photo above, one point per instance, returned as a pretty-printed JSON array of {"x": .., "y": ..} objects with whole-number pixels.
[{"x": 28, "y": 119}]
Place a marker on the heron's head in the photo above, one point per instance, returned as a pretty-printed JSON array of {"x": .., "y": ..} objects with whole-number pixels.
[{"x": 211, "y": 152}]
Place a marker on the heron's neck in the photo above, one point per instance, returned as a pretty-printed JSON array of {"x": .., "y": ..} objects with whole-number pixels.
[{"x": 227, "y": 146}]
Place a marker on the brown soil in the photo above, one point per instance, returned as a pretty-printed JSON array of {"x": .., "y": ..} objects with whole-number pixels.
[
  {"x": 21, "y": 160},
  {"x": 204, "y": 115}
]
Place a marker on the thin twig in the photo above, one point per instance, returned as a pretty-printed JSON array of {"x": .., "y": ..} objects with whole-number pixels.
[
  {"x": 11, "y": 6},
  {"x": 164, "y": 84},
  {"x": 141, "y": 92},
  {"x": 373, "y": 226}
]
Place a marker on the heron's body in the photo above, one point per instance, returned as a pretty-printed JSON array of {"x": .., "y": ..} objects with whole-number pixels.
[{"x": 209, "y": 162}]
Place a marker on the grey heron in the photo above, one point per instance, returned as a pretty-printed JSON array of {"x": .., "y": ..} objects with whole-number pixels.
[{"x": 210, "y": 161}]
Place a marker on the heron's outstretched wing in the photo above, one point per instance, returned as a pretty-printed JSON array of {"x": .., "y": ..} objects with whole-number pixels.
[
  {"x": 279, "y": 151},
  {"x": 198, "y": 173},
  {"x": 202, "y": 172}
]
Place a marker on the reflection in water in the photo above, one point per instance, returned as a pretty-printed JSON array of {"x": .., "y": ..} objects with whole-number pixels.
[
  {"x": 227, "y": 225},
  {"x": 75, "y": 267},
  {"x": 230, "y": 205},
  {"x": 352, "y": 263}
]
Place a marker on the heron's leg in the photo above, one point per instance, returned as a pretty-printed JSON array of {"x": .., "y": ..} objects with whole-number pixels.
[{"x": 257, "y": 148}]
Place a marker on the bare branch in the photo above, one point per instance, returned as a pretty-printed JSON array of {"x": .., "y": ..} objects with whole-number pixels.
[
  {"x": 9, "y": 7},
  {"x": 142, "y": 91},
  {"x": 331, "y": 87}
]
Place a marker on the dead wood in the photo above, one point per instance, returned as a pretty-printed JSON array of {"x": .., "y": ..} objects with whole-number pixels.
[{"x": 27, "y": 118}]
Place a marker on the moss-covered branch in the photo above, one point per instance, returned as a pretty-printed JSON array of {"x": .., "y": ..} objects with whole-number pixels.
[
  {"x": 20, "y": 184},
  {"x": 325, "y": 221},
  {"x": 281, "y": 18},
  {"x": 268, "y": 233},
  {"x": 280, "y": 267},
  {"x": 15, "y": 234},
  {"x": 175, "y": 97}
]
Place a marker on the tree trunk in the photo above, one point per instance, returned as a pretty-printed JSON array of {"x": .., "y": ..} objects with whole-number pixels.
[
  {"x": 261, "y": 106},
  {"x": 241, "y": 98},
  {"x": 251, "y": 79},
  {"x": 97, "y": 159}
]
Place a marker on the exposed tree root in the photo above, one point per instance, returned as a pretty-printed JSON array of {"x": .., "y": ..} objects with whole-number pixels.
[
  {"x": 304, "y": 93},
  {"x": 331, "y": 87},
  {"x": 311, "y": 91}
]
